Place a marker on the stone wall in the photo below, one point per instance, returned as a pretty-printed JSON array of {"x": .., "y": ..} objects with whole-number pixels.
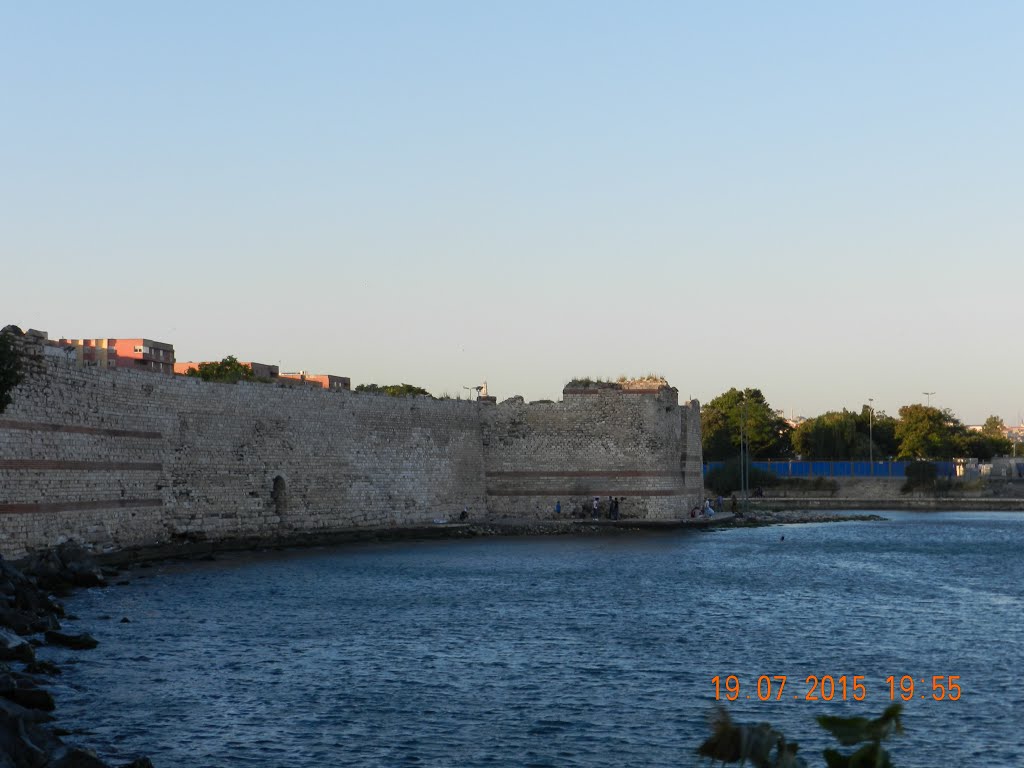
[
  {"x": 122, "y": 459},
  {"x": 638, "y": 445}
]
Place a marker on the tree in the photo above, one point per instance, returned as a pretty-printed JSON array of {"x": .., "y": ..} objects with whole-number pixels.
[
  {"x": 990, "y": 441},
  {"x": 883, "y": 432},
  {"x": 844, "y": 435},
  {"x": 228, "y": 370},
  {"x": 723, "y": 418},
  {"x": 832, "y": 435},
  {"x": 10, "y": 369},
  {"x": 393, "y": 390},
  {"x": 925, "y": 432}
]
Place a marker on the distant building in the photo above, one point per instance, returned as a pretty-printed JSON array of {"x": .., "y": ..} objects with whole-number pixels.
[
  {"x": 326, "y": 381},
  {"x": 1013, "y": 434},
  {"x": 259, "y": 370},
  {"x": 137, "y": 354}
]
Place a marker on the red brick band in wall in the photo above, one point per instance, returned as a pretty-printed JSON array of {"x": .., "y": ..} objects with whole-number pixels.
[
  {"x": 76, "y": 506},
  {"x": 590, "y": 492},
  {"x": 131, "y": 466},
  {"x": 588, "y": 473},
  {"x": 39, "y": 426}
]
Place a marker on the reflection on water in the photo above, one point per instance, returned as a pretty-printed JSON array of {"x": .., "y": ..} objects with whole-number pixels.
[{"x": 554, "y": 651}]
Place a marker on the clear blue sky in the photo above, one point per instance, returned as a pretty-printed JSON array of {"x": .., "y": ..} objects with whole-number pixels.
[{"x": 822, "y": 200}]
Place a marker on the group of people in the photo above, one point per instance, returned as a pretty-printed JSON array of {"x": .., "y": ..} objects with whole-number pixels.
[
  {"x": 608, "y": 509},
  {"x": 708, "y": 509}
]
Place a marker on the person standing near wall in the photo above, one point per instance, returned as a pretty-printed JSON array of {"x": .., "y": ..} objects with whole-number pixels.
[
  {"x": 558, "y": 507},
  {"x": 597, "y": 506}
]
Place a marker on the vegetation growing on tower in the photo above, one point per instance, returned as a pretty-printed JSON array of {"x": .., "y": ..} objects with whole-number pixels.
[{"x": 10, "y": 368}]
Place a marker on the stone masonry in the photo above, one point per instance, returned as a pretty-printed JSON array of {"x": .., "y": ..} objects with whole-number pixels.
[
  {"x": 123, "y": 459},
  {"x": 600, "y": 442}
]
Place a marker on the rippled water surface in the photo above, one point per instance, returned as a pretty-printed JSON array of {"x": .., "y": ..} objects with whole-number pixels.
[{"x": 561, "y": 651}]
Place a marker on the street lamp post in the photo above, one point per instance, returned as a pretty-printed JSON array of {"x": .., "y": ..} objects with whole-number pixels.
[
  {"x": 871, "y": 443},
  {"x": 929, "y": 396},
  {"x": 744, "y": 458}
]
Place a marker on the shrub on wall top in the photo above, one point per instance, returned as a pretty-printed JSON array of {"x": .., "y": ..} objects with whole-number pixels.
[
  {"x": 393, "y": 390},
  {"x": 10, "y": 369}
]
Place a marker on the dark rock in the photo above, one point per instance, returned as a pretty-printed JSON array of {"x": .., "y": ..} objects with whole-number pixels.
[
  {"x": 19, "y": 621},
  {"x": 78, "y": 563},
  {"x": 43, "y": 668},
  {"x": 125, "y": 620},
  {"x": 82, "y": 641},
  {"x": 11, "y": 709},
  {"x": 26, "y": 607},
  {"x": 75, "y": 757},
  {"x": 14, "y": 648},
  {"x": 47, "y": 569},
  {"x": 23, "y": 742},
  {"x": 30, "y": 698},
  {"x": 139, "y": 762},
  {"x": 44, "y": 623},
  {"x": 58, "y": 570}
]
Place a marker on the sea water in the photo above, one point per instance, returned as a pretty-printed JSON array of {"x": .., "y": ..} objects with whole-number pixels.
[{"x": 558, "y": 651}]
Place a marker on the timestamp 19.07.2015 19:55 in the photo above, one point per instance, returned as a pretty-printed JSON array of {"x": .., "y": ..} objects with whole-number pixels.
[{"x": 836, "y": 688}]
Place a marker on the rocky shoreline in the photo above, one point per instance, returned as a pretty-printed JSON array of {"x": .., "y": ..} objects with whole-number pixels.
[
  {"x": 30, "y": 617},
  {"x": 761, "y": 517}
]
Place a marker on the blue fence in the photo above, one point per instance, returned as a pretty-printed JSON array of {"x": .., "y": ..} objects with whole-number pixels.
[{"x": 809, "y": 469}]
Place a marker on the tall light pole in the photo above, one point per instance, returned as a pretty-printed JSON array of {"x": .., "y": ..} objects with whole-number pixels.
[
  {"x": 929, "y": 396},
  {"x": 744, "y": 458},
  {"x": 871, "y": 424}
]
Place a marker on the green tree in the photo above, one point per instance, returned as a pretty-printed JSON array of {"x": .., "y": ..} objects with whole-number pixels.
[
  {"x": 925, "y": 432},
  {"x": 393, "y": 390},
  {"x": 10, "y": 369},
  {"x": 832, "y": 435},
  {"x": 883, "y": 432},
  {"x": 844, "y": 435},
  {"x": 723, "y": 417},
  {"x": 228, "y": 370},
  {"x": 990, "y": 441}
]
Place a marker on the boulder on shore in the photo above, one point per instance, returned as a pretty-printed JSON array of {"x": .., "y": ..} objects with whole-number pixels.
[
  {"x": 83, "y": 641},
  {"x": 26, "y": 608}
]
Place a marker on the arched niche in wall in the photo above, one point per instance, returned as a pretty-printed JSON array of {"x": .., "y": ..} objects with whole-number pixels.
[{"x": 279, "y": 494}]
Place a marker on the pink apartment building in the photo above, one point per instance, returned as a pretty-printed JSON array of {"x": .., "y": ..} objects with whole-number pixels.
[{"x": 137, "y": 354}]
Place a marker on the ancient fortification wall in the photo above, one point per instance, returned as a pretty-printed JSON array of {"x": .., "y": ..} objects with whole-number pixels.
[
  {"x": 596, "y": 442},
  {"x": 119, "y": 459}
]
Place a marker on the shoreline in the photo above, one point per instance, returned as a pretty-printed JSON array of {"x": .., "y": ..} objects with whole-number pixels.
[
  {"x": 199, "y": 549},
  {"x": 903, "y": 504},
  {"x": 764, "y": 511},
  {"x": 203, "y": 549}
]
